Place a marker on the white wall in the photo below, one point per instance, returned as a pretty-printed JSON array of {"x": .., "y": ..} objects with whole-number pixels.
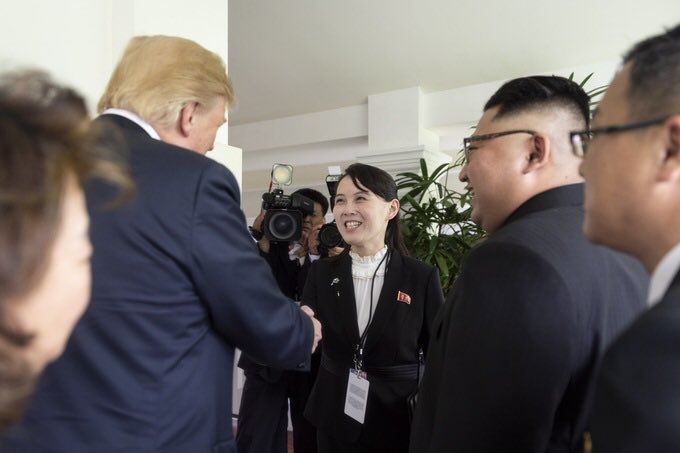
[
  {"x": 71, "y": 39},
  {"x": 80, "y": 41}
]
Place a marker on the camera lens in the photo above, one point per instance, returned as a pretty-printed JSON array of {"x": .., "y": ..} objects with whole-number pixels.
[
  {"x": 329, "y": 236},
  {"x": 283, "y": 225}
]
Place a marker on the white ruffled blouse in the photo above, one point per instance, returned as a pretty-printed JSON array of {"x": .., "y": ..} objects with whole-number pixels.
[{"x": 363, "y": 270}]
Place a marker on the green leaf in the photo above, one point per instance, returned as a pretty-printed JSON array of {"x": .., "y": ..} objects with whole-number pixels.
[
  {"x": 442, "y": 264},
  {"x": 423, "y": 168},
  {"x": 584, "y": 81}
]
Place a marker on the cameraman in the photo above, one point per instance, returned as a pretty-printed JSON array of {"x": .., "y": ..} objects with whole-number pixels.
[{"x": 263, "y": 414}]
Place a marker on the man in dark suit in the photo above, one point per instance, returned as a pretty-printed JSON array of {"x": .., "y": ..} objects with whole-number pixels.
[
  {"x": 177, "y": 281},
  {"x": 514, "y": 350},
  {"x": 632, "y": 172},
  {"x": 263, "y": 414}
]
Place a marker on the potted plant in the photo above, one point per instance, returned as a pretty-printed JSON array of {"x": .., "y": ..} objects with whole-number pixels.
[{"x": 435, "y": 220}]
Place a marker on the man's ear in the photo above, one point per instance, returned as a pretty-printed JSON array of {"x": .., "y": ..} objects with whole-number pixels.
[
  {"x": 670, "y": 139},
  {"x": 539, "y": 153},
  {"x": 187, "y": 118}
]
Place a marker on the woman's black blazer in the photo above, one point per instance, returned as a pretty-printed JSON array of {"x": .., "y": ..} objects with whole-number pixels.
[{"x": 409, "y": 300}]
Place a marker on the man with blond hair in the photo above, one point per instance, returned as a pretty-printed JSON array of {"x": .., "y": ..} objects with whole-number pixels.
[{"x": 177, "y": 281}]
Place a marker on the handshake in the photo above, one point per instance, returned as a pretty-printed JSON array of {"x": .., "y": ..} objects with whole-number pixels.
[{"x": 317, "y": 326}]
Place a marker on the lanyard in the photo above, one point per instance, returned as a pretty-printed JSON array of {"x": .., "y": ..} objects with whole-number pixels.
[{"x": 359, "y": 349}]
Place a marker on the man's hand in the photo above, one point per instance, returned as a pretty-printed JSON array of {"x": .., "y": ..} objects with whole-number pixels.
[{"x": 317, "y": 326}]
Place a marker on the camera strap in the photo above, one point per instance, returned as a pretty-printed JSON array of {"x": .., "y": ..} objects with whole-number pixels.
[{"x": 359, "y": 349}]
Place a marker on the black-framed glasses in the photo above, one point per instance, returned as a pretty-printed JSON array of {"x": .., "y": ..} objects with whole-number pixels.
[
  {"x": 468, "y": 141},
  {"x": 581, "y": 139}
]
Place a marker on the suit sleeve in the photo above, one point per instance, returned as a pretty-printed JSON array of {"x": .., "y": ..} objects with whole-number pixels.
[
  {"x": 237, "y": 285},
  {"x": 309, "y": 295},
  {"x": 509, "y": 353},
  {"x": 434, "y": 299}
]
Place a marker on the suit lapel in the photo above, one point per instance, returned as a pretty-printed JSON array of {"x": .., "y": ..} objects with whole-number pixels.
[
  {"x": 344, "y": 303},
  {"x": 387, "y": 302}
]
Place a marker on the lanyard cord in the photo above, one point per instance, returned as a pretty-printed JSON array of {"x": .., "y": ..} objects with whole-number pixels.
[{"x": 359, "y": 351}]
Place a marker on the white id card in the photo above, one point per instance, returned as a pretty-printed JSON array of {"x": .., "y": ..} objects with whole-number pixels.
[{"x": 357, "y": 395}]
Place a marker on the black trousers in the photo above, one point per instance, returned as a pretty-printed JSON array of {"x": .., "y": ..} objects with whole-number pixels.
[
  {"x": 328, "y": 444},
  {"x": 263, "y": 414}
]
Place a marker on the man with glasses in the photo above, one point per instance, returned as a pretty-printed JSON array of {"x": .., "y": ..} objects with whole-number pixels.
[
  {"x": 511, "y": 363},
  {"x": 632, "y": 172}
]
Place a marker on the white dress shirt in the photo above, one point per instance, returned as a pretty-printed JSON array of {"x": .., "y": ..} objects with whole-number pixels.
[
  {"x": 363, "y": 270},
  {"x": 663, "y": 275},
  {"x": 135, "y": 119}
]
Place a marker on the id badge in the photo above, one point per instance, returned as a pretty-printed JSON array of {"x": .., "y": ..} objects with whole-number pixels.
[{"x": 356, "y": 396}]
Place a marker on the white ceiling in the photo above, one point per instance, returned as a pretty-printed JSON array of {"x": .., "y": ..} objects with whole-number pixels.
[{"x": 289, "y": 57}]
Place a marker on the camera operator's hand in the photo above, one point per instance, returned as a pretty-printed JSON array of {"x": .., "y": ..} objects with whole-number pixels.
[
  {"x": 335, "y": 251},
  {"x": 303, "y": 247},
  {"x": 263, "y": 242},
  {"x": 313, "y": 241},
  {"x": 317, "y": 326}
]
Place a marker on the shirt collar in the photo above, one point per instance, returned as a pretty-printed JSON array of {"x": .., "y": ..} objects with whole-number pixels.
[
  {"x": 663, "y": 275},
  {"x": 135, "y": 119}
]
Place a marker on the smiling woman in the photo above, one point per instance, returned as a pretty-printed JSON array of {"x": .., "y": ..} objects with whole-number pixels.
[
  {"x": 377, "y": 306},
  {"x": 45, "y": 153}
]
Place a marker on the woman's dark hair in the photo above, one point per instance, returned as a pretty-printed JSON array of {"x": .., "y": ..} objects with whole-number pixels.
[{"x": 373, "y": 179}]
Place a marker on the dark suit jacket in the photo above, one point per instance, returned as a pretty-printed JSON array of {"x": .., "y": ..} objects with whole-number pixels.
[
  {"x": 290, "y": 277},
  {"x": 637, "y": 399},
  {"x": 177, "y": 285},
  {"x": 514, "y": 349},
  {"x": 395, "y": 335}
]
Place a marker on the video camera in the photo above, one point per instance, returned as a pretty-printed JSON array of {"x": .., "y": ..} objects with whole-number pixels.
[
  {"x": 329, "y": 235},
  {"x": 284, "y": 213}
]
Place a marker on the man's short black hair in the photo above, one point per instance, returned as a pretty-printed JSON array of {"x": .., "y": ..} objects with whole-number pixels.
[
  {"x": 654, "y": 88},
  {"x": 526, "y": 93},
  {"x": 315, "y": 196}
]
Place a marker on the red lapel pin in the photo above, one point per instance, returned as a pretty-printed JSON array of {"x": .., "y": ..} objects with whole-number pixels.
[{"x": 403, "y": 297}]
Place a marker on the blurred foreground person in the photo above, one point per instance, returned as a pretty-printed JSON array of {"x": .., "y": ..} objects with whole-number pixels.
[
  {"x": 632, "y": 172},
  {"x": 45, "y": 154}
]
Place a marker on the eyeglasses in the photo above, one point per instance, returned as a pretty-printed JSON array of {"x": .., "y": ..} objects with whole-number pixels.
[
  {"x": 581, "y": 139},
  {"x": 468, "y": 141}
]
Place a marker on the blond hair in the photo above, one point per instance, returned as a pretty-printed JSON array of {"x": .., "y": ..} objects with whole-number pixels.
[{"x": 158, "y": 75}]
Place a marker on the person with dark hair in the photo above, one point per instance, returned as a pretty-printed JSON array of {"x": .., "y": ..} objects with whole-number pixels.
[
  {"x": 377, "y": 306},
  {"x": 632, "y": 173},
  {"x": 177, "y": 283},
  {"x": 46, "y": 152},
  {"x": 263, "y": 412},
  {"x": 515, "y": 349}
]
